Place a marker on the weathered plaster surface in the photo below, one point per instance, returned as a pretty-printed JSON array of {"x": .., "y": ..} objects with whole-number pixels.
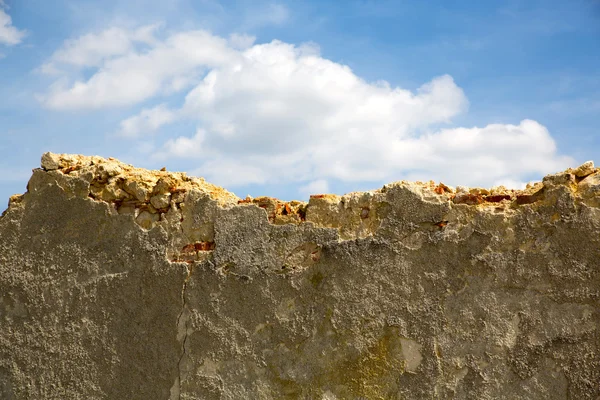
[{"x": 122, "y": 283}]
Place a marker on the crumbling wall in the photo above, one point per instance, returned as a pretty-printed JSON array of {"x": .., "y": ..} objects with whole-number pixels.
[{"x": 123, "y": 283}]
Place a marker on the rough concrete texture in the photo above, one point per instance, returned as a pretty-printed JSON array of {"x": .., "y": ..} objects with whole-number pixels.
[{"x": 123, "y": 283}]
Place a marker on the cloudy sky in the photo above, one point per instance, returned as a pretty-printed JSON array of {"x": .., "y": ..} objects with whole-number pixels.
[{"x": 288, "y": 98}]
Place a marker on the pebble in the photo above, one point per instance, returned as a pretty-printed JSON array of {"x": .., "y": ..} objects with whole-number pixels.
[
  {"x": 584, "y": 169},
  {"x": 147, "y": 220},
  {"x": 50, "y": 161},
  {"x": 160, "y": 201}
]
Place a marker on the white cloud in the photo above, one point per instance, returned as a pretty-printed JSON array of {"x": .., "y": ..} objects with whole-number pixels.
[
  {"x": 275, "y": 112},
  {"x": 241, "y": 41},
  {"x": 186, "y": 147},
  {"x": 125, "y": 77},
  {"x": 9, "y": 35},
  {"x": 323, "y": 122},
  {"x": 147, "y": 121},
  {"x": 320, "y": 186},
  {"x": 510, "y": 184},
  {"x": 492, "y": 155},
  {"x": 95, "y": 48},
  {"x": 236, "y": 172},
  {"x": 92, "y": 49}
]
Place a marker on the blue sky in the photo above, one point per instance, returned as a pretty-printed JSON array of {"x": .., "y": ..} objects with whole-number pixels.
[{"x": 288, "y": 98}]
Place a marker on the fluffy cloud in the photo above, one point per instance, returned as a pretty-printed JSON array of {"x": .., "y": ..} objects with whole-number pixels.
[
  {"x": 93, "y": 49},
  {"x": 275, "y": 112},
  {"x": 493, "y": 155},
  {"x": 147, "y": 121},
  {"x": 314, "y": 187},
  {"x": 9, "y": 35},
  {"x": 241, "y": 41},
  {"x": 127, "y": 72},
  {"x": 185, "y": 147}
]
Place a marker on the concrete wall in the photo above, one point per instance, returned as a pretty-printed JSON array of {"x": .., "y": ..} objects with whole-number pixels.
[{"x": 122, "y": 283}]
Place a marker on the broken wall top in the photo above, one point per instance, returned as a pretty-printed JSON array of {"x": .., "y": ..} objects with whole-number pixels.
[{"x": 149, "y": 195}]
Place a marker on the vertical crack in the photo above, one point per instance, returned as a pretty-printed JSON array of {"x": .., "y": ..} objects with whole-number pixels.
[{"x": 190, "y": 268}]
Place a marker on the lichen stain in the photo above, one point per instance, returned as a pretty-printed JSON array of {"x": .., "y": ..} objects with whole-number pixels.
[
  {"x": 373, "y": 374},
  {"x": 316, "y": 279}
]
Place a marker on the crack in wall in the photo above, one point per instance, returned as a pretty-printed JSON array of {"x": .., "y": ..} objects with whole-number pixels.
[{"x": 181, "y": 319}]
